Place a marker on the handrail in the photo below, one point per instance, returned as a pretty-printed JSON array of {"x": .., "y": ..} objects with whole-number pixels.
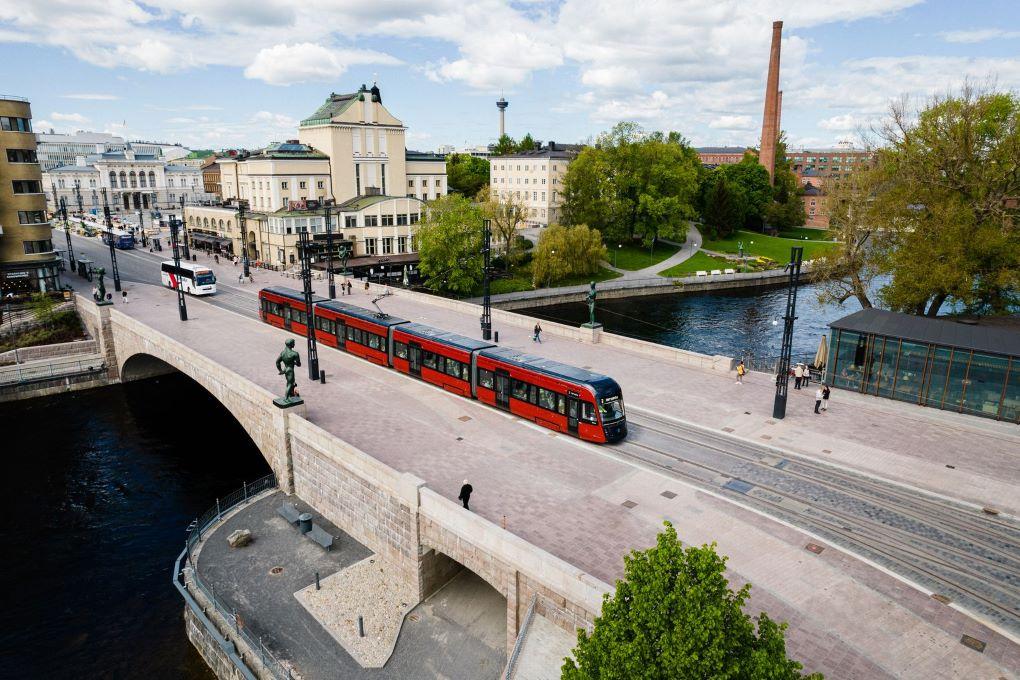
[{"x": 521, "y": 635}]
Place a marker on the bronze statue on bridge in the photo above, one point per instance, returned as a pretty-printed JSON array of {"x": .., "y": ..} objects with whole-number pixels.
[{"x": 285, "y": 364}]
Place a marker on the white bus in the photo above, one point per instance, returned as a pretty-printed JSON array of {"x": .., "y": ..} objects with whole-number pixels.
[{"x": 195, "y": 279}]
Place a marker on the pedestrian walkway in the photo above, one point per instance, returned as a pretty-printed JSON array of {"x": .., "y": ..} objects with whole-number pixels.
[
  {"x": 686, "y": 251},
  {"x": 587, "y": 506}
]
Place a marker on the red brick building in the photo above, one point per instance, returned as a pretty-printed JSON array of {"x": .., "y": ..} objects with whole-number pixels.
[{"x": 721, "y": 155}]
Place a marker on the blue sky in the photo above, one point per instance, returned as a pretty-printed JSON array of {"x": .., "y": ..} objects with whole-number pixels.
[{"x": 226, "y": 73}]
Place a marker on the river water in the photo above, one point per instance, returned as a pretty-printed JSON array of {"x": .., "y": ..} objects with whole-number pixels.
[
  {"x": 735, "y": 324},
  {"x": 98, "y": 490}
]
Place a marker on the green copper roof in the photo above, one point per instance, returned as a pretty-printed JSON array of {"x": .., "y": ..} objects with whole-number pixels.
[
  {"x": 289, "y": 150},
  {"x": 335, "y": 105}
]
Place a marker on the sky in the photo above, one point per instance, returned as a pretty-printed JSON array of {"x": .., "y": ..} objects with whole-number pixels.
[{"x": 232, "y": 73}]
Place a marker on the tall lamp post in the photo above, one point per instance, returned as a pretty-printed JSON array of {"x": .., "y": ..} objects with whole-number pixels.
[
  {"x": 306, "y": 278},
  {"x": 67, "y": 233},
  {"x": 486, "y": 280},
  {"x": 184, "y": 226},
  {"x": 182, "y": 306},
  {"x": 329, "y": 254},
  {"x": 241, "y": 204},
  {"x": 783, "y": 372},
  {"x": 141, "y": 227},
  {"x": 77, "y": 194},
  {"x": 113, "y": 242}
]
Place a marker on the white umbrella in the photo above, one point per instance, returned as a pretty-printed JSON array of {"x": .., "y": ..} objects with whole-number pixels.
[
  {"x": 405, "y": 275},
  {"x": 822, "y": 355}
]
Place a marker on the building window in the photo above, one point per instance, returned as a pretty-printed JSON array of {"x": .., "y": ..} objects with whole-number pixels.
[
  {"x": 439, "y": 182},
  {"x": 401, "y": 244},
  {"x": 370, "y": 246},
  {"x": 350, "y": 221},
  {"x": 43, "y": 246},
  {"x": 283, "y": 185},
  {"x": 321, "y": 184},
  {"x": 543, "y": 195},
  {"x": 414, "y": 243},
  {"x": 31, "y": 217},
  {"x": 387, "y": 245},
  {"x": 402, "y": 219},
  {"x": 302, "y": 185},
  {"x": 21, "y": 156},
  {"x": 387, "y": 220},
  {"x": 11, "y": 124},
  {"x": 27, "y": 186},
  {"x": 410, "y": 184},
  {"x": 414, "y": 218},
  {"x": 534, "y": 195},
  {"x": 371, "y": 220}
]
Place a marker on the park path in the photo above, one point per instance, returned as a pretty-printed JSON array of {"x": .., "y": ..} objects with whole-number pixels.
[{"x": 687, "y": 250}]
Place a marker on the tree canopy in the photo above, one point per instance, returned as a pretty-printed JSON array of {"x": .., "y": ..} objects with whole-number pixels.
[
  {"x": 466, "y": 174},
  {"x": 633, "y": 184},
  {"x": 747, "y": 192},
  {"x": 674, "y": 617},
  {"x": 566, "y": 251},
  {"x": 506, "y": 145},
  {"x": 450, "y": 244}
]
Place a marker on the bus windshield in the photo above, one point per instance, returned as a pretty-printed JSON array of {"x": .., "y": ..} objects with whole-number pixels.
[
  {"x": 611, "y": 408},
  {"x": 205, "y": 278}
]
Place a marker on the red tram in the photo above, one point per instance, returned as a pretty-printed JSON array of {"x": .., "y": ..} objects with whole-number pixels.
[{"x": 554, "y": 395}]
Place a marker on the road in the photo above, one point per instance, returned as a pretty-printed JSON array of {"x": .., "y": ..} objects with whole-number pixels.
[{"x": 962, "y": 555}]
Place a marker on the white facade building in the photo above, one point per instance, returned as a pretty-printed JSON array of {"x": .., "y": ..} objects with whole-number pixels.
[
  {"x": 535, "y": 178},
  {"x": 55, "y": 150}
]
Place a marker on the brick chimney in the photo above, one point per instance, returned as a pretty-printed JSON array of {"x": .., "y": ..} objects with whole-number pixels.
[{"x": 770, "y": 120}]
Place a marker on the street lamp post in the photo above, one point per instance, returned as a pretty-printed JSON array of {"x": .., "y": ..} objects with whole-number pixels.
[
  {"x": 67, "y": 233},
  {"x": 113, "y": 242},
  {"x": 306, "y": 277},
  {"x": 619, "y": 246},
  {"x": 783, "y": 371},
  {"x": 241, "y": 203},
  {"x": 329, "y": 254},
  {"x": 141, "y": 227},
  {"x": 77, "y": 194},
  {"x": 184, "y": 226},
  {"x": 486, "y": 279},
  {"x": 182, "y": 307}
]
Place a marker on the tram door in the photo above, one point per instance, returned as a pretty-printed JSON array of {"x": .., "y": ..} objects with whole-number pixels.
[
  {"x": 286, "y": 316},
  {"x": 341, "y": 332},
  {"x": 573, "y": 411},
  {"x": 414, "y": 358},
  {"x": 502, "y": 389}
]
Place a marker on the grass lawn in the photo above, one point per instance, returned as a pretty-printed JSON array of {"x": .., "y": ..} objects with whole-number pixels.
[
  {"x": 521, "y": 280},
  {"x": 800, "y": 232},
  {"x": 772, "y": 247},
  {"x": 698, "y": 262},
  {"x": 633, "y": 257}
]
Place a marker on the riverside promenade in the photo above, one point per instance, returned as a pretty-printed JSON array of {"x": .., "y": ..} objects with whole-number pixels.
[{"x": 588, "y": 507}]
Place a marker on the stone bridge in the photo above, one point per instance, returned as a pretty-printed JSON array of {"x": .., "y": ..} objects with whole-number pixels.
[{"x": 427, "y": 536}]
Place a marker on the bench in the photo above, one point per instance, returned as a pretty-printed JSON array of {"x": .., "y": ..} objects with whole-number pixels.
[
  {"x": 289, "y": 512},
  {"x": 716, "y": 272},
  {"x": 319, "y": 535},
  {"x": 729, "y": 271},
  {"x": 701, "y": 272}
]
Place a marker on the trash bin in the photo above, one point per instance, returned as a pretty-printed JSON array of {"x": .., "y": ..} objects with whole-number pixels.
[{"x": 305, "y": 522}]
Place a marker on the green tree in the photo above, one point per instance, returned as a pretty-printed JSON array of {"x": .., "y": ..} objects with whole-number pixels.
[
  {"x": 505, "y": 145},
  {"x": 725, "y": 206},
  {"x": 566, "y": 251},
  {"x": 528, "y": 143},
  {"x": 750, "y": 180},
  {"x": 948, "y": 182},
  {"x": 633, "y": 185},
  {"x": 673, "y": 616},
  {"x": 450, "y": 244},
  {"x": 507, "y": 214},
  {"x": 466, "y": 174}
]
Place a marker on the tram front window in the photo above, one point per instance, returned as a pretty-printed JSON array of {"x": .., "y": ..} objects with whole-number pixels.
[{"x": 611, "y": 408}]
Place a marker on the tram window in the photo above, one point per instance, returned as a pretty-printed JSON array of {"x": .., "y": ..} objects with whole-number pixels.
[
  {"x": 588, "y": 412},
  {"x": 341, "y": 332},
  {"x": 546, "y": 399},
  {"x": 519, "y": 390},
  {"x": 400, "y": 349},
  {"x": 428, "y": 360},
  {"x": 350, "y": 334},
  {"x": 324, "y": 324},
  {"x": 533, "y": 394},
  {"x": 300, "y": 317},
  {"x": 485, "y": 378},
  {"x": 457, "y": 369},
  {"x": 374, "y": 341}
]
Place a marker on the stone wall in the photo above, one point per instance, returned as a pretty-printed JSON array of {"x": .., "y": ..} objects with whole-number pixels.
[
  {"x": 214, "y": 656},
  {"x": 56, "y": 350}
]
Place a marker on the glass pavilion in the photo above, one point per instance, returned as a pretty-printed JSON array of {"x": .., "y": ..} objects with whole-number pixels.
[{"x": 964, "y": 365}]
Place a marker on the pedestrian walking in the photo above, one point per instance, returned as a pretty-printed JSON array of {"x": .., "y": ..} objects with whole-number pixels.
[
  {"x": 798, "y": 376},
  {"x": 538, "y": 334},
  {"x": 240, "y": 278},
  {"x": 807, "y": 375},
  {"x": 216, "y": 258},
  {"x": 825, "y": 397},
  {"x": 741, "y": 370},
  {"x": 235, "y": 260},
  {"x": 350, "y": 288},
  {"x": 818, "y": 398},
  {"x": 366, "y": 284},
  {"x": 465, "y": 494},
  {"x": 251, "y": 278},
  {"x": 123, "y": 296}
]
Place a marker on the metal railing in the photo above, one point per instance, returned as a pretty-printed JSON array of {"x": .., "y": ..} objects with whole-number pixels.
[
  {"x": 17, "y": 375},
  {"x": 521, "y": 635},
  {"x": 187, "y": 585}
]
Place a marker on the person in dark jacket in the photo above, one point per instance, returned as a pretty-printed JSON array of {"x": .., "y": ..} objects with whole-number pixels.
[{"x": 465, "y": 494}]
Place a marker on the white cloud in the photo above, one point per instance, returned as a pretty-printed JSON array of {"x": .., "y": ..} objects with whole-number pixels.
[
  {"x": 69, "y": 117},
  {"x": 846, "y": 121},
  {"x": 732, "y": 123},
  {"x": 91, "y": 96},
  {"x": 303, "y": 62},
  {"x": 978, "y": 35}
]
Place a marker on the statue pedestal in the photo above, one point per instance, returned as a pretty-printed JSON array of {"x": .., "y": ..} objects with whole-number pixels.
[
  {"x": 596, "y": 332},
  {"x": 284, "y": 403},
  {"x": 103, "y": 303}
]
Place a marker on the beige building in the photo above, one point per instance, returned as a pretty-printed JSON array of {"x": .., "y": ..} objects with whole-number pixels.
[
  {"x": 28, "y": 262},
  {"x": 276, "y": 176},
  {"x": 534, "y": 177}
]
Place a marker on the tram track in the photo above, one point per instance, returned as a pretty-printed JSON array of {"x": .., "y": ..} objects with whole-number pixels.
[{"x": 978, "y": 567}]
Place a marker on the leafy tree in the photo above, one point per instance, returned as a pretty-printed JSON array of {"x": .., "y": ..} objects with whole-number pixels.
[
  {"x": 450, "y": 244},
  {"x": 631, "y": 184},
  {"x": 725, "y": 205},
  {"x": 507, "y": 214},
  {"x": 674, "y": 617},
  {"x": 948, "y": 182},
  {"x": 566, "y": 251},
  {"x": 787, "y": 208},
  {"x": 466, "y": 174},
  {"x": 528, "y": 143},
  {"x": 750, "y": 180},
  {"x": 505, "y": 145}
]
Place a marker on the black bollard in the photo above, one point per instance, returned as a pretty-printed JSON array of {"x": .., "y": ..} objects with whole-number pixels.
[
  {"x": 317, "y": 581},
  {"x": 495, "y": 336},
  {"x": 322, "y": 377},
  {"x": 361, "y": 626}
]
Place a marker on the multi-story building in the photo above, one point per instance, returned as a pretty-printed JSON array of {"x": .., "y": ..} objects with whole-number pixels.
[
  {"x": 721, "y": 155},
  {"x": 480, "y": 151},
  {"x": 350, "y": 155},
  {"x": 56, "y": 150},
  {"x": 28, "y": 262},
  {"x": 833, "y": 162},
  {"x": 132, "y": 180},
  {"x": 535, "y": 178}
]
